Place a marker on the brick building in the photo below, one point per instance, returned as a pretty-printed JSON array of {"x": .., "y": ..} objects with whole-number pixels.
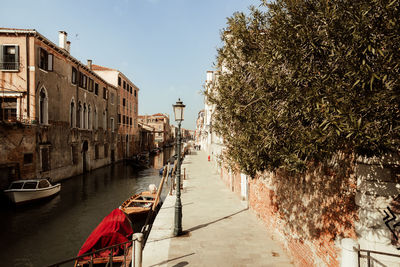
[{"x": 127, "y": 101}]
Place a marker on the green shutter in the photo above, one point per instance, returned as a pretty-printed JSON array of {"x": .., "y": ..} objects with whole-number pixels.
[
  {"x": 17, "y": 57},
  {"x": 1, "y": 57}
]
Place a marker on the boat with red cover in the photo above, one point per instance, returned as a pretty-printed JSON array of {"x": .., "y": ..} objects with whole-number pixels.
[{"x": 114, "y": 229}]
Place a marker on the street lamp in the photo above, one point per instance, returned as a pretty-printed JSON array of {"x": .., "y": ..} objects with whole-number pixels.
[{"x": 178, "y": 111}]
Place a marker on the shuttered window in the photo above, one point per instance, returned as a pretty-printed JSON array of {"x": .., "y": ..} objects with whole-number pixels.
[
  {"x": 9, "y": 57},
  {"x": 45, "y": 60}
]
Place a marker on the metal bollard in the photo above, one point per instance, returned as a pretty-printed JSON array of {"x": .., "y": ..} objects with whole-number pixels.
[
  {"x": 349, "y": 252},
  {"x": 137, "y": 256}
]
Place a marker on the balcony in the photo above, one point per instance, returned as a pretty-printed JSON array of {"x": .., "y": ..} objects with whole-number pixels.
[{"x": 5, "y": 66}]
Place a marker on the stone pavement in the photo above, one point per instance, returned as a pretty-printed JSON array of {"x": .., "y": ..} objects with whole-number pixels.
[{"x": 218, "y": 228}]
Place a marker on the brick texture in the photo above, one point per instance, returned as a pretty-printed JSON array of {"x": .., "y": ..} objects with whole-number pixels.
[{"x": 320, "y": 251}]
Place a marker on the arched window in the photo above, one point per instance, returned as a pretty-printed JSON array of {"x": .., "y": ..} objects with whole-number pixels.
[
  {"x": 72, "y": 114},
  {"x": 84, "y": 116},
  {"x": 80, "y": 113},
  {"x": 105, "y": 120},
  {"x": 43, "y": 107},
  {"x": 90, "y": 117},
  {"x": 96, "y": 118}
]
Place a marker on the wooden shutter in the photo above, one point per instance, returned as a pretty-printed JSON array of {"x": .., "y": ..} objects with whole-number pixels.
[
  {"x": 1, "y": 57},
  {"x": 50, "y": 62},
  {"x": 17, "y": 57}
]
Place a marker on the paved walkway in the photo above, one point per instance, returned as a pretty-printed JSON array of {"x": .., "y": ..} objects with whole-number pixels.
[{"x": 220, "y": 231}]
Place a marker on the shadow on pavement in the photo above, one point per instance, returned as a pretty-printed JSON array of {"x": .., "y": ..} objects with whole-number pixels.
[
  {"x": 183, "y": 263},
  {"x": 207, "y": 224}
]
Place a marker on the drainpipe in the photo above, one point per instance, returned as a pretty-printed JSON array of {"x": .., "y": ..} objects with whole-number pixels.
[{"x": 27, "y": 77}]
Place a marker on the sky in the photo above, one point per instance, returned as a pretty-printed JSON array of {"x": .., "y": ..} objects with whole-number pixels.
[{"x": 165, "y": 47}]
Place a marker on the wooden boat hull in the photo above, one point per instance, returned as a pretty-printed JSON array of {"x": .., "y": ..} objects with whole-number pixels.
[{"x": 19, "y": 196}]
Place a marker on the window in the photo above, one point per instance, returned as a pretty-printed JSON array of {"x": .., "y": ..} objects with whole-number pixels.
[
  {"x": 16, "y": 185},
  {"x": 43, "y": 107},
  {"x": 9, "y": 57},
  {"x": 90, "y": 85},
  {"x": 72, "y": 114},
  {"x": 90, "y": 117},
  {"x": 105, "y": 120},
  {"x": 130, "y": 121},
  {"x": 135, "y": 92},
  {"x": 74, "y": 75},
  {"x": 45, "y": 60},
  {"x": 28, "y": 158},
  {"x": 43, "y": 184},
  {"x": 123, "y": 119},
  {"x": 130, "y": 89},
  {"x": 104, "y": 93},
  {"x": 124, "y": 85},
  {"x": 80, "y": 115},
  {"x": 96, "y": 89},
  {"x": 82, "y": 80},
  {"x": 119, "y": 118},
  {"x": 29, "y": 185},
  {"x": 8, "y": 109},
  {"x": 112, "y": 124},
  {"x": 123, "y": 102},
  {"x": 119, "y": 81},
  {"x": 96, "y": 119},
  {"x": 85, "y": 117}
]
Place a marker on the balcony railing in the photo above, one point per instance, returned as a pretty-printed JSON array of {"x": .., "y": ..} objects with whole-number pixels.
[{"x": 9, "y": 65}]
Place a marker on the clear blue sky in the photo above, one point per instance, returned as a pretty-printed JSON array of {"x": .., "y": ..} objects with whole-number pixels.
[{"x": 165, "y": 47}]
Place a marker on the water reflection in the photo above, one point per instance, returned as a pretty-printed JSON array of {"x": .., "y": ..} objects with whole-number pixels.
[{"x": 47, "y": 232}]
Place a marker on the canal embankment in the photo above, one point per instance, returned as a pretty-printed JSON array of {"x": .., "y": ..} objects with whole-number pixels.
[{"x": 219, "y": 229}]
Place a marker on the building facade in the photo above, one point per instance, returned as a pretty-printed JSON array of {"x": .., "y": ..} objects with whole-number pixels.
[
  {"x": 57, "y": 119},
  {"x": 127, "y": 101},
  {"x": 162, "y": 128}
]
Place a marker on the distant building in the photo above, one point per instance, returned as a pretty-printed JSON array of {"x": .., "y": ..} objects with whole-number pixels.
[
  {"x": 56, "y": 117},
  {"x": 162, "y": 129},
  {"x": 146, "y": 137},
  {"x": 127, "y": 102}
]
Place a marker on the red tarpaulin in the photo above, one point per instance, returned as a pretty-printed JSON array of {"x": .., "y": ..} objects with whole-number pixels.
[{"x": 114, "y": 229}]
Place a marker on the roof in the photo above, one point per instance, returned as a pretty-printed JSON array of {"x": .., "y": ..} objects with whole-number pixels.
[
  {"x": 101, "y": 68},
  {"x": 52, "y": 45}
]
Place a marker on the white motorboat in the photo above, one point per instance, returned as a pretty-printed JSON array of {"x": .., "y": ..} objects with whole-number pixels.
[{"x": 28, "y": 190}]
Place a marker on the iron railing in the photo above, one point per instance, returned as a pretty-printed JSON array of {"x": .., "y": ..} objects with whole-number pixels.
[
  {"x": 88, "y": 259},
  {"x": 366, "y": 254},
  {"x": 9, "y": 65}
]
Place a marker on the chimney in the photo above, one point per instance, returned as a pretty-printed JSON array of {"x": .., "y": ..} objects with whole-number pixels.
[
  {"x": 89, "y": 64},
  {"x": 62, "y": 39},
  {"x": 68, "y": 46}
]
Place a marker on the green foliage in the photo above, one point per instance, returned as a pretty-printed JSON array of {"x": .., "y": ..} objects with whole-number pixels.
[{"x": 302, "y": 80}]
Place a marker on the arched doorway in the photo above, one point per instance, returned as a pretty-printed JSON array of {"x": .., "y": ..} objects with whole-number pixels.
[{"x": 85, "y": 148}]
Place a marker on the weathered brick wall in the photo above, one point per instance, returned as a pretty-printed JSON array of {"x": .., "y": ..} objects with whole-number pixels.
[{"x": 322, "y": 249}]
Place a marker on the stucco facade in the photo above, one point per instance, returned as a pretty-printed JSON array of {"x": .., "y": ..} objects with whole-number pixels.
[{"x": 57, "y": 119}]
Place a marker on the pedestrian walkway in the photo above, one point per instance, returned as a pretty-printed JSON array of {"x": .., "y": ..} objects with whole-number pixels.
[{"x": 218, "y": 228}]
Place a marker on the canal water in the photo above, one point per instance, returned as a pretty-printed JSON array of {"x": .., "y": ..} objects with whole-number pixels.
[{"x": 45, "y": 233}]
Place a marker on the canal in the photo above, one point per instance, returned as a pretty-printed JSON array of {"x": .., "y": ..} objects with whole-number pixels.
[{"x": 48, "y": 232}]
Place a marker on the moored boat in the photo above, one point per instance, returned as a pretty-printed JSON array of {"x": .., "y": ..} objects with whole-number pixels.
[{"x": 23, "y": 191}]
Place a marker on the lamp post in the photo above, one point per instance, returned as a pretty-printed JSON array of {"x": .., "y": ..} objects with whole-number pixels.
[{"x": 178, "y": 111}]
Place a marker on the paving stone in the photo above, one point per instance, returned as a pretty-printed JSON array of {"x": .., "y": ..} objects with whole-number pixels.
[{"x": 221, "y": 231}]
